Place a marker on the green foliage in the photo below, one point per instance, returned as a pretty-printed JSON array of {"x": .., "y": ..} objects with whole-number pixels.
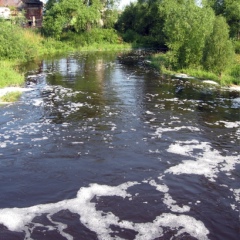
[
  {"x": 96, "y": 35},
  {"x": 230, "y": 9},
  {"x": 186, "y": 28},
  {"x": 13, "y": 45},
  {"x": 237, "y": 46},
  {"x": 26, "y": 44},
  {"x": 195, "y": 37},
  {"x": 10, "y": 97},
  {"x": 145, "y": 21},
  {"x": 71, "y": 14},
  {"x": 201, "y": 74},
  {"x": 110, "y": 17},
  {"x": 9, "y": 75},
  {"x": 161, "y": 62},
  {"x": 218, "y": 53},
  {"x": 77, "y": 16},
  {"x": 232, "y": 75}
]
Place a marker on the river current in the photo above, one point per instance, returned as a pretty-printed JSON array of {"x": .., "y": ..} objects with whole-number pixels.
[{"x": 102, "y": 146}]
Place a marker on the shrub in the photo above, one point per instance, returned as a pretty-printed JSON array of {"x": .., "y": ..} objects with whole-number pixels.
[
  {"x": 13, "y": 43},
  {"x": 237, "y": 46},
  {"x": 95, "y": 36},
  {"x": 9, "y": 76},
  {"x": 218, "y": 52}
]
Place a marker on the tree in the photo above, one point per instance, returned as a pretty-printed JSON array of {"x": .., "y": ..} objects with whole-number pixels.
[
  {"x": 230, "y": 9},
  {"x": 218, "y": 52},
  {"x": 77, "y": 16},
  {"x": 142, "y": 22},
  {"x": 186, "y": 27}
]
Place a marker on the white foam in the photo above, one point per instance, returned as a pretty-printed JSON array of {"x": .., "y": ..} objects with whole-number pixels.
[
  {"x": 159, "y": 131},
  {"x": 208, "y": 161},
  {"x": 38, "y": 102},
  {"x": 168, "y": 200},
  {"x": 19, "y": 219},
  {"x": 149, "y": 113},
  {"x": 3, "y": 145},
  {"x": 236, "y": 193},
  {"x": 230, "y": 124},
  {"x": 236, "y": 103},
  {"x": 210, "y": 82},
  {"x": 6, "y": 90},
  {"x": 39, "y": 139}
]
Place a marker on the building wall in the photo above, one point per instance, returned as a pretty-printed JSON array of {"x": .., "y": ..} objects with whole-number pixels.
[
  {"x": 32, "y": 8},
  {"x": 34, "y": 15}
]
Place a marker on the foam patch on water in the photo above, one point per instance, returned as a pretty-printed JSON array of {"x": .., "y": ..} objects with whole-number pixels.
[
  {"x": 160, "y": 130},
  {"x": 229, "y": 124},
  {"x": 209, "y": 162},
  {"x": 236, "y": 103},
  {"x": 21, "y": 219},
  {"x": 168, "y": 200}
]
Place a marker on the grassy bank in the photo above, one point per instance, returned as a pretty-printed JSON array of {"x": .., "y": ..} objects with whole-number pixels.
[
  {"x": 10, "y": 74},
  {"x": 18, "y": 45},
  {"x": 230, "y": 77}
]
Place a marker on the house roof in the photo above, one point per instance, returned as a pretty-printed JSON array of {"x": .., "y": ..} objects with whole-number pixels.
[{"x": 10, "y": 3}]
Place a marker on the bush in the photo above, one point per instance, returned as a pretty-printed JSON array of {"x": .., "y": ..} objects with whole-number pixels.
[
  {"x": 9, "y": 75},
  {"x": 13, "y": 43},
  {"x": 95, "y": 36},
  {"x": 237, "y": 47}
]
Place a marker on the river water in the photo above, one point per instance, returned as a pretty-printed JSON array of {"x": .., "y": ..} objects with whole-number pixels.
[{"x": 104, "y": 147}]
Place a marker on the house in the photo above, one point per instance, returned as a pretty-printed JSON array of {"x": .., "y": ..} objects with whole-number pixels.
[{"x": 33, "y": 10}]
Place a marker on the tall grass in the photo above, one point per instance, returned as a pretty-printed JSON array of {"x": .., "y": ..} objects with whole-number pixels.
[{"x": 9, "y": 74}]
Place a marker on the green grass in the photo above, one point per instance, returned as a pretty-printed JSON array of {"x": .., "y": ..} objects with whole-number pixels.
[
  {"x": 230, "y": 77},
  {"x": 9, "y": 74},
  {"x": 11, "y": 97},
  {"x": 105, "y": 47}
]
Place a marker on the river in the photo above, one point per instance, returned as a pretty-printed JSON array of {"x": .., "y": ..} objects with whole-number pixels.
[{"x": 104, "y": 147}]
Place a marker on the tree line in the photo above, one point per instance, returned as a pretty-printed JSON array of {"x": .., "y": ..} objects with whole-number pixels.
[{"x": 195, "y": 33}]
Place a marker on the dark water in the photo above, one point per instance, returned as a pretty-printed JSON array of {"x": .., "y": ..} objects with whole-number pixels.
[{"x": 104, "y": 147}]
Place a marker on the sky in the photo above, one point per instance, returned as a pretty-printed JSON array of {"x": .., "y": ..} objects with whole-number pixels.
[{"x": 124, "y": 3}]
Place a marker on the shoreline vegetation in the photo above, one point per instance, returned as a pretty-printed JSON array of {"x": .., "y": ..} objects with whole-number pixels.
[
  {"x": 231, "y": 77},
  {"x": 210, "y": 52}
]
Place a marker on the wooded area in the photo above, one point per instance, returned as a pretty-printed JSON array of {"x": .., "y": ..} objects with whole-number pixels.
[{"x": 194, "y": 34}]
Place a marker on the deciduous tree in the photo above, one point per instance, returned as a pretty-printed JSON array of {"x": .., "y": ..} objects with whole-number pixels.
[
  {"x": 186, "y": 27},
  {"x": 218, "y": 52}
]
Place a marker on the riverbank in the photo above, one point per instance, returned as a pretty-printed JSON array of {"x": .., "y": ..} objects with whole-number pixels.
[
  {"x": 231, "y": 77},
  {"x": 24, "y": 45},
  {"x": 11, "y": 94}
]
